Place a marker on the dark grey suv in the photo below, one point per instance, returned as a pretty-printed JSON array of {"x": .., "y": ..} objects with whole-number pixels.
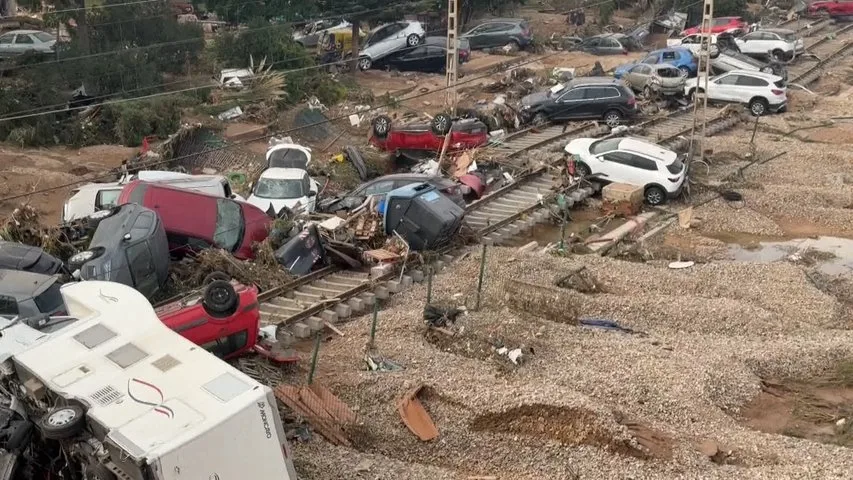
[
  {"x": 588, "y": 98},
  {"x": 27, "y": 294},
  {"x": 129, "y": 247}
]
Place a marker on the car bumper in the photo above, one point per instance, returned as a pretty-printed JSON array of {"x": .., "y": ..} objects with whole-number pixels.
[
  {"x": 779, "y": 107},
  {"x": 673, "y": 194}
]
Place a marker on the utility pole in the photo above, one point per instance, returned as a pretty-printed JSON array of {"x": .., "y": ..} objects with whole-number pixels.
[
  {"x": 452, "y": 65},
  {"x": 704, "y": 68}
]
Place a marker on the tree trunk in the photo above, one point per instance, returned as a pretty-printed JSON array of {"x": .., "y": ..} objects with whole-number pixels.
[
  {"x": 356, "y": 30},
  {"x": 82, "y": 27}
]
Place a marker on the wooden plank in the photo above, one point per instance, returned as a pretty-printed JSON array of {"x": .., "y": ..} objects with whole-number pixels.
[{"x": 339, "y": 410}]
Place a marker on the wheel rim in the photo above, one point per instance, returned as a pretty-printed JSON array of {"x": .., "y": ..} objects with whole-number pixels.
[
  {"x": 364, "y": 63},
  {"x": 612, "y": 119},
  {"x": 757, "y": 108},
  {"x": 654, "y": 197},
  {"x": 382, "y": 126},
  {"x": 219, "y": 295},
  {"x": 100, "y": 214},
  {"x": 413, "y": 40},
  {"x": 61, "y": 417},
  {"x": 441, "y": 124}
]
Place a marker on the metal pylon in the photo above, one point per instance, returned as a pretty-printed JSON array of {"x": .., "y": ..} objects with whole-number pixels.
[
  {"x": 452, "y": 64},
  {"x": 701, "y": 114}
]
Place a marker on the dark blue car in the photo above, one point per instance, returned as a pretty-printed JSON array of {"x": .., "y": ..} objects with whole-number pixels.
[{"x": 681, "y": 58}]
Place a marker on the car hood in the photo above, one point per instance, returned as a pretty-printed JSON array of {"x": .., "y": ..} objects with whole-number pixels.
[
  {"x": 579, "y": 146},
  {"x": 622, "y": 69},
  {"x": 535, "y": 98},
  {"x": 277, "y": 203}
]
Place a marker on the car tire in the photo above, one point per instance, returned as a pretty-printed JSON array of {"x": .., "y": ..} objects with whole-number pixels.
[
  {"x": 778, "y": 55},
  {"x": 413, "y": 40},
  {"x": 758, "y": 107},
  {"x": 441, "y": 124},
  {"x": 63, "y": 422},
  {"x": 96, "y": 471},
  {"x": 654, "y": 195},
  {"x": 612, "y": 118},
  {"x": 381, "y": 126},
  {"x": 540, "y": 119},
  {"x": 582, "y": 169},
  {"x": 512, "y": 46},
  {"x": 692, "y": 94},
  {"x": 210, "y": 278},
  {"x": 220, "y": 299},
  {"x": 684, "y": 70},
  {"x": 364, "y": 63}
]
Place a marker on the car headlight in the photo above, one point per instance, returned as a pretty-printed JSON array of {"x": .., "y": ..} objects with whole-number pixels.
[
  {"x": 525, "y": 107},
  {"x": 82, "y": 257}
]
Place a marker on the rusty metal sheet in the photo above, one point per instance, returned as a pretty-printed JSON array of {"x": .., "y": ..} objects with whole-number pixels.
[{"x": 415, "y": 416}]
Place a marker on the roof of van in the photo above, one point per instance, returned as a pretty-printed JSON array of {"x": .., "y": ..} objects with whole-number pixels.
[{"x": 152, "y": 389}]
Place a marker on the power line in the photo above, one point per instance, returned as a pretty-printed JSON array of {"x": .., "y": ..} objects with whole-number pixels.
[
  {"x": 392, "y": 102},
  {"x": 27, "y": 113}
]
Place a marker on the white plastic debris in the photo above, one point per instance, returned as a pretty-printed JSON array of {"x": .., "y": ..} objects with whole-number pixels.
[
  {"x": 502, "y": 351},
  {"x": 680, "y": 265},
  {"x": 508, "y": 177},
  {"x": 230, "y": 114},
  {"x": 268, "y": 332},
  {"x": 332, "y": 223},
  {"x": 499, "y": 100},
  {"x": 514, "y": 355},
  {"x": 354, "y": 120}
]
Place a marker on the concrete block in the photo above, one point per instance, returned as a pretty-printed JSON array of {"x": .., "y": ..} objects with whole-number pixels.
[
  {"x": 329, "y": 316},
  {"x": 300, "y": 330},
  {"x": 417, "y": 276},
  {"x": 381, "y": 270},
  {"x": 407, "y": 281},
  {"x": 343, "y": 310},
  {"x": 355, "y": 304},
  {"x": 368, "y": 298},
  {"x": 314, "y": 323},
  {"x": 448, "y": 259},
  {"x": 306, "y": 297},
  {"x": 487, "y": 240},
  {"x": 528, "y": 247},
  {"x": 394, "y": 286},
  {"x": 622, "y": 192},
  {"x": 381, "y": 293}
]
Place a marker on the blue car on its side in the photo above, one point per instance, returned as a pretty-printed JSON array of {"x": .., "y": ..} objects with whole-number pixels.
[{"x": 681, "y": 58}]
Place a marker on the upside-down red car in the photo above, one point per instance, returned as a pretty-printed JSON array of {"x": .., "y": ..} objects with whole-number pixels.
[
  {"x": 834, "y": 8},
  {"x": 720, "y": 25},
  {"x": 410, "y": 140},
  {"x": 224, "y": 320}
]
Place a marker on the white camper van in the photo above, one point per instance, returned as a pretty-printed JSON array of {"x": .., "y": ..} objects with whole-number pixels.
[{"x": 116, "y": 394}]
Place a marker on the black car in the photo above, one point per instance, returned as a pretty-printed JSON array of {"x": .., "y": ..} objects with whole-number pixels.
[
  {"x": 586, "y": 98},
  {"x": 128, "y": 247},
  {"x": 17, "y": 256},
  {"x": 429, "y": 57},
  {"x": 28, "y": 294},
  {"x": 384, "y": 184}
]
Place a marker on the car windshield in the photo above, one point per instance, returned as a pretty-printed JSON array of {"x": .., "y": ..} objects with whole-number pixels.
[
  {"x": 676, "y": 166},
  {"x": 50, "y": 299},
  {"x": 279, "y": 188},
  {"x": 45, "y": 37},
  {"x": 229, "y": 224},
  {"x": 789, "y": 37},
  {"x": 606, "y": 145}
]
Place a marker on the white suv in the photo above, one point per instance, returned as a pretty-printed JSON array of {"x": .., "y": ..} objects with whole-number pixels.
[
  {"x": 661, "y": 172},
  {"x": 777, "y": 43},
  {"x": 387, "y": 39},
  {"x": 761, "y": 92}
]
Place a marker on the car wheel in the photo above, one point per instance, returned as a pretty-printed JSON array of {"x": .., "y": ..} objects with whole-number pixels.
[
  {"x": 413, "y": 40},
  {"x": 512, "y": 46},
  {"x": 540, "y": 119},
  {"x": 441, "y": 124},
  {"x": 210, "y": 278},
  {"x": 96, "y": 471},
  {"x": 612, "y": 118},
  {"x": 684, "y": 70},
  {"x": 692, "y": 94},
  {"x": 78, "y": 259},
  {"x": 647, "y": 92},
  {"x": 655, "y": 196},
  {"x": 758, "y": 107},
  {"x": 63, "y": 422},
  {"x": 364, "y": 63},
  {"x": 582, "y": 169},
  {"x": 220, "y": 299},
  {"x": 381, "y": 126},
  {"x": 778, "y": 55}
]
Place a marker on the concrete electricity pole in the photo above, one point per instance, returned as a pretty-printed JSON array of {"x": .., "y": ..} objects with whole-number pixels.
[
  {"x": 702, "y": 83},
  {"x": 452, "y": 64}
]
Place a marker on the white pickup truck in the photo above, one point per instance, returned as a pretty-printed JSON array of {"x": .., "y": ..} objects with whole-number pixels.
[{"x": 115, "y": 394}]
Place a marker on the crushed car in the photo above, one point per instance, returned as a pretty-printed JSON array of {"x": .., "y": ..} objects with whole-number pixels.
[
  {"x": 29, "y": 293},
  {"x": 383, "y": 185},
  {"x": 129, "y": 246},
  {"x": 194, "y": 221},
  {"x": 17, "y": 256},
  {"x": 284, "y": 186},
  {"x": 416, "y": 140},
  {"x": 110, "y": 392},
  {"x": 387, "y": 39},
  {"x": 422, "y": 216},
  {"x": 309, "y": 36},
  {"x": 650, "y": 80}
]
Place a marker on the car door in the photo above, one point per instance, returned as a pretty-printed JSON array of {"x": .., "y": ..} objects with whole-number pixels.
[
  {"x": 639, "y": 75},
  {"x": 498, "y": 34},
  {"x": 142, "y": 270},
  {"x": 642, "y": 171},
  {"x": 748, "y": 87},
  {"x": 435, "y": 59},
  {"x": 23, "y": 43},
  {"x": 724, "y": 89},
  {"x": 652, "y": 59},
  {"x": 598, "y": 100},
  {"x": 410, "y": 60},
  {"x": 378, "y": 44},
  {"x": 475, "y": 36},
  {"x": 614, "y": 167},
  {"x": 7, "y": 44},
  {"x": 570, "y": 105},
  {"x": 378, "y": 188},
  {"x": 611, "y": 46},
  {"x": 591, "y": 46}
]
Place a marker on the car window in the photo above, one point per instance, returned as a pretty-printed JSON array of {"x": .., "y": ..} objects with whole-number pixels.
[
  {"x": 728, "y": 80},
  {"x": 668, "y": 72},
  {"x": 288, "y": 158},
  {"x": 396, "y": 28},
  {"x": 676, "y": 166},
  {"x": 225, "y": 346},
  {"x": 595, "y": 93},
  {"x": 618, "y": 157},
  {"x": 690, "y": 39},
  {"x": 651, "y": 59},
  {"x": 140, "y": 262},
  {"x": 606, "y": 145},
  {"x": 610, "y": 43},
  {"x": 23, "y": 39},
  {"x": 50, "y": 299},
  {"x": 669, "y": 56},
  {"x": 433, "y": 51},
  {"x": 751, "y": 81},
  {"x": 229, "y": 224},
  {"x": 8, "y": 305},
  {"x": 719, "y": 22},
  {"x": 379, "y": 188},
  {"x": 7, "y": 38},
  {"x": 107, "y": 199},
  {"x": 573, "y": 94},
  {"x": 789, "y": 37},
  {"x": 594, "y": 42},
  {"x": 417, "y": 52},
  {"x": 306, "y": 183},
  {"x": 279, "y": 188},
  {"x": 642, "y": 163},
  {"x": 44, "y": 37}
]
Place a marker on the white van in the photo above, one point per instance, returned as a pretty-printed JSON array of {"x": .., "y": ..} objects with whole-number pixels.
[
  {"x": 118, "y": 395},
  {"x": 90, "y": 198}
]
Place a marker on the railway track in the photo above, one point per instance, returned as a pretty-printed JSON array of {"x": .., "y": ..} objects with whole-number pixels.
[{"x": 827, "y": 51}]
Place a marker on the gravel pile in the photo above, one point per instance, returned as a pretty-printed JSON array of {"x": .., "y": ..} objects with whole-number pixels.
[{"x": 601, "y": 404}]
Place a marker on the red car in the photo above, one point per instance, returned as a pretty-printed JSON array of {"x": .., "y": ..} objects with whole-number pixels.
[
  {"x": 835, "y": 8},
  {"x": 409, "y": 140},
  {"x": 720, "y": 25},
  {"x": 194, "y": 220},
  {"x": 224, "y": 320}
]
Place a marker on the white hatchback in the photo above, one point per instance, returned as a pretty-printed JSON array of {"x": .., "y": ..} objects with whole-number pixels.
[
  {"x": 387, "y": 39},
  {"x": 661, "y": 172},
  {"x": 278, "y": 189}
]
